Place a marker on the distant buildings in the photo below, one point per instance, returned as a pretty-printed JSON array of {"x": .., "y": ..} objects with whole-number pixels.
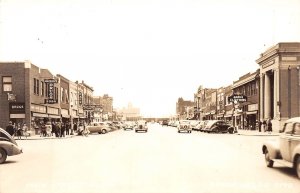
[{"x": 130, "y": 113}]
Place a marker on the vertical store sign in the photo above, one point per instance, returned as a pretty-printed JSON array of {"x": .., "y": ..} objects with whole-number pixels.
[
  {"x": 80, "y": 98},
  {"x": 50, "y": 93}
]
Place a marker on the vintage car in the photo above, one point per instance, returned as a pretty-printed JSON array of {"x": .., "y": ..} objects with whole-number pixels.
[
  {"x": 184, "y": 125},
  {"x": 128, "y": 125},
  {"x": 8, "y": 146},
  {"x": 141, "y": 126},
  {"x": 286, "y": 149},
  {"x": 194, "y": 124},
  {"x": 99, "y": 127},
  {"x": 218, "y": 126}
]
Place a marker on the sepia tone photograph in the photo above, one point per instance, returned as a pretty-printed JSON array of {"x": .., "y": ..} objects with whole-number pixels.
[{"x": 149, "y": 96}]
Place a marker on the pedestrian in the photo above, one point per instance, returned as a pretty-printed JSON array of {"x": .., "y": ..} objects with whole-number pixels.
[
  {"x": 269, "y": 125},
  {"x": 67, "y": 128},
  {"x": 63, "y": 129},
  {"x": 264, "y": 123},
  {"x": 19, "y": 131},
  {"x": 43, "y": 130},
  {"x": 10, "y": 129},
  {"x": 259, "y": 125},
  {"x": 58, "y": 129},
  {"x": 25, "y": 130},
  {"x": 75, "y": 127}
]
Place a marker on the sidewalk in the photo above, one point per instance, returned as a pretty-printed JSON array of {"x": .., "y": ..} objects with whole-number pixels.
[
  {"x": 255, "y": 133},
  {"x": 37, "y": 137}
]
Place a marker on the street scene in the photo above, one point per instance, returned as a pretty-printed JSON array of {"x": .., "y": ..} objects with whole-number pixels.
[
  {"x": 161, "y": 160},
  {"x": 149, "y": 96}
]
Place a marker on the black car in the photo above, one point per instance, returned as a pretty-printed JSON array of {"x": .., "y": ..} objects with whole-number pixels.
[
  {"x": 165, "y": 122},
  {"x": 218, "y": 126}
]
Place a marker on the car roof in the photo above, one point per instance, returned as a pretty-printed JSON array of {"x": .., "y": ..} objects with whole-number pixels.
[{"x": 294, "y": 119}]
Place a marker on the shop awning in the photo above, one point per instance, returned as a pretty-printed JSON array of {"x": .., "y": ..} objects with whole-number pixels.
[
  {"x": 65, "y": 116},
  {"x": 17, "y": 116},
  {"x": 251, "y": 112},
  {"x": 39, "y": 115},
  {"x": 227, "y": 115},
  {"x": 54, "y": 116}
]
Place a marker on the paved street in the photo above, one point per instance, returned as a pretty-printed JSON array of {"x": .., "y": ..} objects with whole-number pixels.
[{"x": 160, "y": 161}]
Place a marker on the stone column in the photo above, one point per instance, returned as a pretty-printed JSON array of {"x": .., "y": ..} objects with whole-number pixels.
[
  {"x": 267, "y": 97},
  {"x": 261, "y": 93}
]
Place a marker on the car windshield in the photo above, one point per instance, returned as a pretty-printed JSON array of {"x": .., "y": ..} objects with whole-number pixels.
[{"x": 210, "y": 123}]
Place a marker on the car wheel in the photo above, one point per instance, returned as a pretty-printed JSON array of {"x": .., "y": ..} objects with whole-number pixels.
[
  {"x": 268, "y": 161},
  {"x": 103, "y": 131},
  {"x": 298, "y": 166},
  {"x": 230, "y": 130},
  {"x": 3, "y": 155}
]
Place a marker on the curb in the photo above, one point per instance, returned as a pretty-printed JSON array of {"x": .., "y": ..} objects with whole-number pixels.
[
  {"x": 42, "y": 138},
  {"x": 257, "y": 134}
]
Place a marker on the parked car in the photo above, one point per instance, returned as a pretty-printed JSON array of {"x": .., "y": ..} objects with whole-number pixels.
[
  {"x": 194, "y": 123},
  {"x": 128, "y": 125},
  {"x": 184, "y": 125},
  {"x": 218, "y": 126},
  {"x": 285, "y": 150},
  {"x": 141, "y": 126},
  {"x": 165, "y": 123},
  {"x": 8, "y": 146},
  {"x": 201, "y": 126},
  {"x": 99, "y": 127}
]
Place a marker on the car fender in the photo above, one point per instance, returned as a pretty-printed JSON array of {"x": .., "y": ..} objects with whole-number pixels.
[
  {"x": 296, "y": 152},
  {"x": 10, "y": 148},
  {"x": 273, "y": 149}
]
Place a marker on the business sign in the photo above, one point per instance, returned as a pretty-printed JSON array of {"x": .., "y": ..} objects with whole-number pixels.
[
  {"x": 17, "y": 108},
  {"x": 50, "y": 101},
  {"x": 80, "y": 98},
  {"x": 50, "y": 83},
  {"x": 237, "y": 98}
]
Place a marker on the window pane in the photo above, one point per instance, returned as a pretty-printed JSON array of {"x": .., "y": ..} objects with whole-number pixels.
[
  {"x": 7, "y": 80},
  {"x": 7, "y": 87}
]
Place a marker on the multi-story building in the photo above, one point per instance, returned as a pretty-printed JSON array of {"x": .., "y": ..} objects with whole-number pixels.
[
  {"x": 220, "y": 103},
  {"x": 106, "y": 103},
  {"x": 29, "y": 95},
  {"x": 228, "y": 106},
  {"x": 246, "y": 113},
  {"x": 183, "y": 108},
  {"x": 87, "y": 102},
  {"x": 64, "y": 98},
  {"x": 280, "y": 83}
]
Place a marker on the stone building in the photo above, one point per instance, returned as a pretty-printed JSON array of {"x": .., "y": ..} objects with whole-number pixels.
[{"x": 279, "y": 83}]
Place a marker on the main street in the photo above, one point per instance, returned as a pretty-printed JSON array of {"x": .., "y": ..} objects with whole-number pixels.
[{"x": 160, "y": 161}]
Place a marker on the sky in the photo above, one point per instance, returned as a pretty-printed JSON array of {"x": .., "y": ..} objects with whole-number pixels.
[{"x": 147, "y": 52}]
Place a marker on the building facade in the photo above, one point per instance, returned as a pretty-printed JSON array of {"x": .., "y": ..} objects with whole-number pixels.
[{"x": 279, "y": 83}]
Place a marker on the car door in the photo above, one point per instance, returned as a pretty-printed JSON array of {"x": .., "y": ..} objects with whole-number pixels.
[
  {"x": 295, "y": 139},
  {"x": 285, "y": 141}
]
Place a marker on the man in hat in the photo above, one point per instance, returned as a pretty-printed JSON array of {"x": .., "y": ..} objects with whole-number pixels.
[{"x": 10, "y": 128}]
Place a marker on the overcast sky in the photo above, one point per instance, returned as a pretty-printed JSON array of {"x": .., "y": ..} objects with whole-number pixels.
[{"x": 148, "y": 52}]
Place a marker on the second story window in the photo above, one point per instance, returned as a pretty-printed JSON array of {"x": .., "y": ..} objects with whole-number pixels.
[{"x": 7, "y": 83}]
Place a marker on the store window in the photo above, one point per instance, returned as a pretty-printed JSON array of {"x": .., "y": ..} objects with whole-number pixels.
[{"x": 7, "y": 83}]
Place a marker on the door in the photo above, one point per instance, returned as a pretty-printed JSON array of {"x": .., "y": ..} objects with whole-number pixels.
[
  {"x": 295, "y": 139},
  {"x": 285, "y": 141}
]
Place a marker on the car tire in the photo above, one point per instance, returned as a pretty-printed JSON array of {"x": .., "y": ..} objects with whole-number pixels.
[
  {"x": 103, "y": 131},
  {"x": 268, "y": 161},
  {"x": 230, "y": 130},
  {"x": 3, "y": 155},
  {"x": 297, "y": 167}
]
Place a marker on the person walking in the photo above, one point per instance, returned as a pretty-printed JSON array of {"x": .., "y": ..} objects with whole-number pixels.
[
  {"x": 19, "y": 131},
  {"x": 269, "y": 125},
  {"x": 25, "y": 130},
  {"x": 259, "y": 125},
  {"x": 67, "y": 128},
  {"x": 63, "y": 129},
  {"x": 264, "y": 124},
  {"x": 10, "y": 129}
]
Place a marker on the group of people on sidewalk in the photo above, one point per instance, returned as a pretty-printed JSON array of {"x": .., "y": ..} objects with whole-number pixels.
[
  {"x": 18, "y": 130},
  {"x": 265, "y": 125}
]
